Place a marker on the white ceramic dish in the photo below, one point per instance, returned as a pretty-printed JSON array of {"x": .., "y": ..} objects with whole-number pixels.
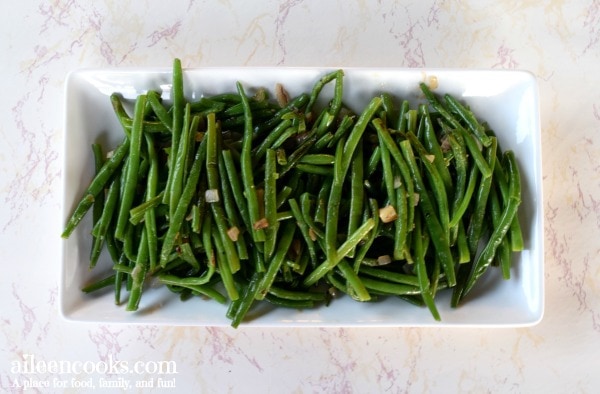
[{"x": 507, "y": 100}]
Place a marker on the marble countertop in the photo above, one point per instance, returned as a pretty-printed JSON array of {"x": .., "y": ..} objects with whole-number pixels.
[{"x": 559, "y": 42}]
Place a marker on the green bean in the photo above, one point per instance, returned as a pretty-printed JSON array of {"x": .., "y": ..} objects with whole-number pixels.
[
  {"x": 390, "y": 276},
  {"x": 439, "y": 236},
  {"x": 273, "y": 137},
  {"x": 315, "y": 169},
  {"x": 238, "y": 108},
  {"x": 464, "y": 256},
  {"x": 151, "y": 186},
  {"x": 355, "y": 136},
  {"x": 247, "y": 176},
  {"x": 100, "y": 230},
  {"x": 137, "y": 214},
  {"x": 419, "y": 256},
  {"x": 122, "y": 115},
  {"x": 287, "y": 303},
  {"x": 236, "y": 187},
  {"x": 502, "y": 257},
  {"x": 224, "y": 265},
  {"x": 99, "y": 284},
  {"x": 411, "y": 121},
  {"x": 133, "y": 165},
  {"x": 96, "y": 186},
  {"x": 474, "y": 230},
  {"x": 373, "y": 162},
  {"x": 232, "y": 214},
  {"x": 215, "y": 104},
  {"x": 387, "y": 102},
  {"x": 439, "y": 107},
  {"x": 317, "y": 159},
  {"x": 296, "y": 295},
  {"x": 287, "y": 236},
  {"x": 473, "y": 147},
  {"x": 432, "y": 145},
  {"x": 356, "y": 287},
  {"x": 366, "y": 245},
  {"x": 333, "y": 206},
  {"x": 270, "y": 202},
  {"x": 212, "y": 172},
  {"x": 458, "y": 213},
  {"x": 296, "y": 104},
  {"x": 402, "y": 121},
  {"x": 304, "y": 230},
  {"x": 319, "y": 86},
  {"x": 402, "y": 167},
  {"x": 99, "y": 200},
  {"x": 120, "y": 277},
  {"x": 516, "y": 236},
  {"x": 297, "y": 154},
  {"x": 388, "y": 173},
  {"x": 197, "y": 214},
  {"x": 238, "y": 310},
  {"x": 182, "y": 207},
  {"x": 336, "y": 102},
  {"x": 283, "y": 195},
  {"x": 435, "y": 182},
  {"x": 514, "y": 200},
  {"x": 138, "y": 274},
  {"x": 199, "y": 288},
  {"x": 357, "y": 193},
  {"x": 306, "y": 203},
  {"x": 322, "y": 199},
  {"x": 282, "y": 138},
  {"x": 345, "y": 124},
  {"x": 389, "y": 288},
  {"x": 178, "y": 114},
  {"x": 476, "y": 128},
  {"x": 401, "y": 225},
  {"x": 161, "y": 112},
  {"x": 323, "y": 142},
  {"x": 122, "y": 268},
  {"x": 334, "y": 257},
  {"x": 178, "y": 172},
  {"x": 207, "y": 244},
  {"x": 460, "y": 165}
]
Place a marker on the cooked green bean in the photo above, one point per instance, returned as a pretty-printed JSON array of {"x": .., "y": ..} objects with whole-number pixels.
[
  {"x": 335, "y": 256},
  {"x": 133, "y": 165},
  {"x": 178, "y": 113},
  {"x": 402, "y": 166},
  {"x": 99, "y": 231},
  {"x": 95, "y": 187},
  {"x": 258, "y": 233},
  {"x": 212, "y": 173},
  {"x": 138, "y": 275},
  {"x": 178, "y": 171},
  {"x": 270, "y": 203},
  {"x": 287, "y": 236},
  {"x": 357, "y": 193},
  {"x": 439, "y": 236},
  {"x": 173, "y": 231},
  {"x": 514, "y": 200},
  {"x": 432, "y": 145},
  {"x": 475, "y": 225},
  {"x": 161, "y": 112},
  {"x": 469, "y": 118},
  {"x": 419, "y": 256}
]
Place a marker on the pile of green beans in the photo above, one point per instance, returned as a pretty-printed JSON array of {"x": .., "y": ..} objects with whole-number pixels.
[{"x": 245, "y": 199}]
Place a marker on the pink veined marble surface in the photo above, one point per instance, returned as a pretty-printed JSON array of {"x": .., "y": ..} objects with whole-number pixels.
[{"x": 41, "y": 41}]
